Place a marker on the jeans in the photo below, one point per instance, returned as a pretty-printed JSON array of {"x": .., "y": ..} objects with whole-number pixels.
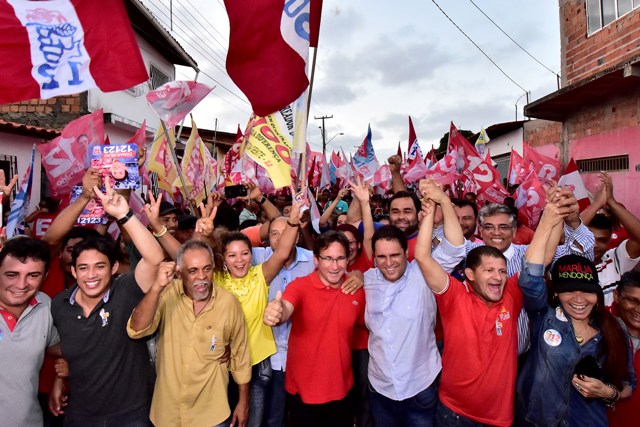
[
  {"x": 445, "y": 417},
  {"x": 260, "y": 379},
  {"x": 337, "y": 413},
  {"x": 137, "y": 418},
  {"x": 416, "y": 411},
  {"x": 276, "y": 396}
]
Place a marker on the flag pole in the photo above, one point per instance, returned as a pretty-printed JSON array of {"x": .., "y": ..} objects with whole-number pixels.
[{"x": 175, "y": 161}]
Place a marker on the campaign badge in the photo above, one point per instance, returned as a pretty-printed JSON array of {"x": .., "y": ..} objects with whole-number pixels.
[{"x": 552, "y": 337}]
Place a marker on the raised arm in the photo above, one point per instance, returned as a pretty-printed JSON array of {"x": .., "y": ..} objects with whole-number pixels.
[
  {"x": 397, "y": 183},
  {"x": 152, "y": 255},
  {"x": 143, "y": 316},
  {"x": 360, "y": 191},
  {"x": 627, "y": 219},
  {"x": 271, "y": 210},
  {"x": 66, "y": 219},
  {"x": 328, "y": 210},
  {"x": 152, "y": 210},
  {"x": 272, "y": 266},
  {"x": 435, "y": 276}
]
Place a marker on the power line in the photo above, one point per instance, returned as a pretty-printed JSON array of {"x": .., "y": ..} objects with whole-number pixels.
[
  {"x": 510, "y": 38},
  {"x": 478, "y": 47}
]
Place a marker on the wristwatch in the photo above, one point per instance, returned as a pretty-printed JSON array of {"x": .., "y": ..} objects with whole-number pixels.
[{"x": 124, "y": 219}]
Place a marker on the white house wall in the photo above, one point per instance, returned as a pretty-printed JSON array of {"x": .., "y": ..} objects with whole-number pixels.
[{"x": 504, "y": 143}]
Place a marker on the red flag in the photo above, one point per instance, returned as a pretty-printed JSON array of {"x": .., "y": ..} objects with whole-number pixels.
[
  {"x": 315, "y": 15},
  {"x": 413, "y": 147},
  {"x": 530, "y": 200},
  {"x": 545, "y": 167},
  {"x": 64, "y": 47},
  {"x": 172, "y": 101},
  {"x": 268, "y": 50},
  {"x": 571, "y": 178},
  {"x": 399, "y": 153},
  {"x": 517, "y": 173},
  {"x": 65, "y": 158}
]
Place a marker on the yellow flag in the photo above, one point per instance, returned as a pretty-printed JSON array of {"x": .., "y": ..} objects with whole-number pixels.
[
  {"x": 269, "y": 145},
  {"x": 198, "y": 167},
  {"x": 160, "y": 160}
]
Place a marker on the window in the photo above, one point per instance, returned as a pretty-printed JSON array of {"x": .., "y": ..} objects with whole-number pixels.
[
  {"x": 606, "y": 164},
  {"x": 158, "y": 78},
  {"x": 601, "y": 13}
]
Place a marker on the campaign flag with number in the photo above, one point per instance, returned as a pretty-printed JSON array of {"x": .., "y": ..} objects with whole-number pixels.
[
  {"x": 62, "y": 47},
  {"x": 365, "y": 161},
  {"x": 268, "y": 51},
  {"x": 269, "y": 144},
  {"x": 160, "y": 161},
  {"x": 21, "y": 202},
  {"x": 66, "y": 158},
  {"x": 545, "y": 167},
  {"x": 444, "y": 170},
  {"x": 530, "y": 200},
  {"x": 174, "y": 100},
  {"x": 413, "y": 148}
]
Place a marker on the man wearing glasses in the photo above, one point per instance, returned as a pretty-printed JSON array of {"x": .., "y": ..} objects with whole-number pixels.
[{"x": 323, "y": 318}]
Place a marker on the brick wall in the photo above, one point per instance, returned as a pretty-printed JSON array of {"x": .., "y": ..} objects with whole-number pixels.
[
  {"x": 49, "y": 113},
  {"x": 606, "y": 117},
  {"x": 542, "y": 132},
  {"x": 582, "y": 55}
]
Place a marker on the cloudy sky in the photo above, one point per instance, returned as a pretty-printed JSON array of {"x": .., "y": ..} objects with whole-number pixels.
[{"x": 380, "y": 61}]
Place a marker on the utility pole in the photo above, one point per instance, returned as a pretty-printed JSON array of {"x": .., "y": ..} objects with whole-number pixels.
[{"x": 324, "y": 133}]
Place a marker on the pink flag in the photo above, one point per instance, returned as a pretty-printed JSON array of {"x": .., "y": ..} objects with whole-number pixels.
[
  {"x": 571, "y": 178},
  {"x": 268, "y": 50},
  {"x": 430, "y": 159},
  {"x": 545, "y": 167},
  {"x": 382, "y": 176},
  {"x": 174, "y": 100},
  {"x": 444, "y": 170},
  {"x": 53, "y": 48},
  {"x": 530, "y": 200},
  {"x": 365, "y": 161},
  {"x": 413, "y": 148},
  {"x": 65, "y": 158},
  {"x": 416, "y": 170}
]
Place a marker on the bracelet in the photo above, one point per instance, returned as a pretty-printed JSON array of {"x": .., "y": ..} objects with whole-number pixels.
[
  {"x": 292, "y": 224},
  {"x": 124, "y": 219},
  {"x": 261, "y": 201},
  {"x": 161, "y": 233},
  {"x": 610, "y": 402}
]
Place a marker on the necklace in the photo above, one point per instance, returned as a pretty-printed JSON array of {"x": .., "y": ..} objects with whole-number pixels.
[{"x": 579, "y": 339}]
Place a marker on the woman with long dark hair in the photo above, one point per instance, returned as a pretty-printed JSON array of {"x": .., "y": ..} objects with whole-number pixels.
[{"x": 579, "y": 359}]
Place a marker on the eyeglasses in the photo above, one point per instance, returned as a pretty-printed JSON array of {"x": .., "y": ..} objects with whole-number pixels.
[
  {"x": 330, "y": 260},
  {"x": 501, "y": 227}
]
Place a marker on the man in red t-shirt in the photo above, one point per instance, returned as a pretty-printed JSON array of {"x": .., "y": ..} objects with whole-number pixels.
[
  {"x": 480, "y": 322},
  {"x": 319, "y": 374}
]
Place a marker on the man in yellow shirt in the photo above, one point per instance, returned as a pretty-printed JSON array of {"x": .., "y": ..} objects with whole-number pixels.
[{"x": 196, "y": 321}]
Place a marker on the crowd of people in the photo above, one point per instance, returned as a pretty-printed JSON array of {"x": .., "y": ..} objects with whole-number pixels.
[{"x": 413, "y": 308}]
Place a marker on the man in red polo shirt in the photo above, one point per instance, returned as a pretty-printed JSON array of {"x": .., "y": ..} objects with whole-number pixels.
[
  {"x": 323, "y": 318},
  {"x": 480, "y": 321}
]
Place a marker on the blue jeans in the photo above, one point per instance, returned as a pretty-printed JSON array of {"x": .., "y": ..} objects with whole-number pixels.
[
  {"x": 261, "y": 375},
  {"x": 137, "y": 418},
  {"x": 276, "y": 397},
  {"x": 445, "y": 417},
  {"x": 416, "y": 411}
]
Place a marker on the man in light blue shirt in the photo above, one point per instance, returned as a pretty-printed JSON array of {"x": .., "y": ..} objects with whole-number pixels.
[{"x": 401, "y": 314}]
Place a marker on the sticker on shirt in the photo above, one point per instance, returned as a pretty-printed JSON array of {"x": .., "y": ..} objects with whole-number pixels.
[
  {"x": 214, "y": 341},
  {"x": 552, "y": 337},
  {"x": 504, "y": 314},
  {"x": 498, "y": 328},
  {"x": 560, "y": 314},
  {"x": 104, "y": 315}
]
